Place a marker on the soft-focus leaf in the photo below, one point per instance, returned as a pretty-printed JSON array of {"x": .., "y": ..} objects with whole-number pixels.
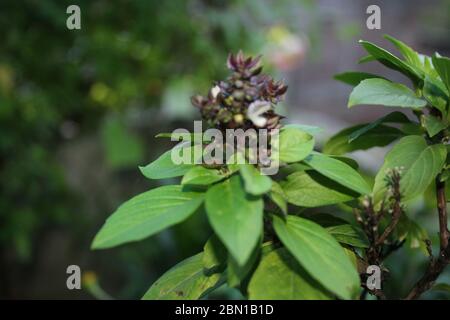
[
  {"x": 294, "y": 145},
  {"x": 312, "y": 130},
  {"x": 147, "y": 214},
  {"x": 164, "y": 167},
  {"x": 420, "y": 163},
  {"x": 386, "y": 93},
  {"x": 353, "y": 78},
  {"x": 393, "y": 117},
  {"x": 441, "y": 287},
  {"x": 391, "y": 61},
  {"x": 280, "y": 277},
  {"x": 311, "y": 189},
  {"x": 442, "y": 66},
  {"x": 185, "y": 281},
  {"x": 379, "y": 136},
  {"x": 411, "y": 56},
  {"x": 278, "y": 197},
  {"x": 435, "y": 95},
  {"x": 214, "y": 254},
  {"x": 254, "y": 182},
  {"x": 433, "y": 124},
  {"x": 338, "y": 171},
  {"x": 414, "y": 234},
  {"x": 199, "y": 175},
  {"x": 237, "y": 273},
  {"x": 341, "y": 230},
  {"x": 235, "y": 216},
  {"x": 319, "y": 253}
]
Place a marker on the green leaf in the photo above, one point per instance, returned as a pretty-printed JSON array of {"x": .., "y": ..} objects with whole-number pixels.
[
  {"x": 214, "y": 255},
  {"x": 185, "y": 281},
  {"x": 338, "y": 171},
  {"x": 280, "y": 277},
  {"x": 420, "y": 164},
  {"x": 255, "y": 183},
  {"x": 311, "y": 189},
  {"x": 414, "y": 234},
  {"x": 393, "y": 117},
  {"x": 379, "y": 136},
  {"x": 147, "y": 214},
  {"x": 235, "y": 216},
  {"x": 391, "y": 61},
  {"x": 433, "y": 124},
  {"x": 435, "y": 94},
  {"x": 353, "y": 78},
  {"x": 441, "y": 287},
  {"x": 386, "y": 93},
  {"x": 163, "y": 167},
  {"x": 352, "y": 163},
  {"x": 411, "y": 56},
  {"x": 348, "y": 234},
  {"x": 278, "y": 197},
  {"x": 319, "y": 253},
  {"x": 341, "y": 230},
  {"x": 294, "y": 145},
  {"x": 236, "y": 274},
  {"x": 199, "y": 175},
  {"x": 442, "y": 66},
  {"x": 312, "y": 130}
]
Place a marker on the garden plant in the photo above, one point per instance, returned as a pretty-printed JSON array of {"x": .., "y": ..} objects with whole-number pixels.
[{"x": 279, "y": 236}]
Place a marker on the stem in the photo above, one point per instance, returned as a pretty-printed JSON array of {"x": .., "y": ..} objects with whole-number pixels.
[
  {"x": 442, "y": 211},
  {"x": 436, "y": 266}
]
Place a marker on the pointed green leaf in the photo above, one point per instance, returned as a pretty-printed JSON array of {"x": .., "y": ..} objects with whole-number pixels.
[
  {"x": 255, "y": 183},
  {"x": 393, "y": 117},
  {"x": 312, "y": 130},
  {"x": 434, "y": 92},
  {"x": 433, "y": 124},
  {"x": 214, "y": 254},
  {"x": 319, "y": 253},
  {"x": 338, "y": 171},
  {"x": 411, "y": 56},
  {"x": 420, "y": 163},
  {"x": 353, "y": 78},
  {"x": 185, "y": 281},
  {"x": 280, "y": 277},
  {"x": 235, "y": 216},
  {"x": 341, "y": 230},
  {"x": 164, "y": 167},
  {"x": 391, "y": 61},
  {"x": 278, "y": 197},
  {"x": 294, "y": 145},
  {"x": 201, "y": 176},
  {"x": 379, "y": 136},
  {"x": 386, "y": 93},
  {"x": 147, "y": 214},
  {"x": 442, "y": 66}
]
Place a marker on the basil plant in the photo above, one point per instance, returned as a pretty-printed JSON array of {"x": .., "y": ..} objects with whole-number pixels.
[{"x": 279, "y": 235}]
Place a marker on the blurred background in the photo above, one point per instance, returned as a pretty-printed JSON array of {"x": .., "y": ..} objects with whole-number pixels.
[{"x": 79, "y": 110}]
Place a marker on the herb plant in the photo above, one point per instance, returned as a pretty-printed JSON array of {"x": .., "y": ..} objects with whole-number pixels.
[{"x": 268, "y": 239}]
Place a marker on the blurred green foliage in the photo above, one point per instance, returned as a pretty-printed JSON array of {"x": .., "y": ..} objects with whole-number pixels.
[{"x": 58, "y": 86}]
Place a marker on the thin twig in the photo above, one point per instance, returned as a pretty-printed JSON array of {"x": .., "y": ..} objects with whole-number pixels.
[{"x": 435, "y": 266}]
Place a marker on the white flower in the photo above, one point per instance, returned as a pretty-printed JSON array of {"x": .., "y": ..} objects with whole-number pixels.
[
  {"x": 256, "y": 110},
  {"x": 215, "y": 91}
]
